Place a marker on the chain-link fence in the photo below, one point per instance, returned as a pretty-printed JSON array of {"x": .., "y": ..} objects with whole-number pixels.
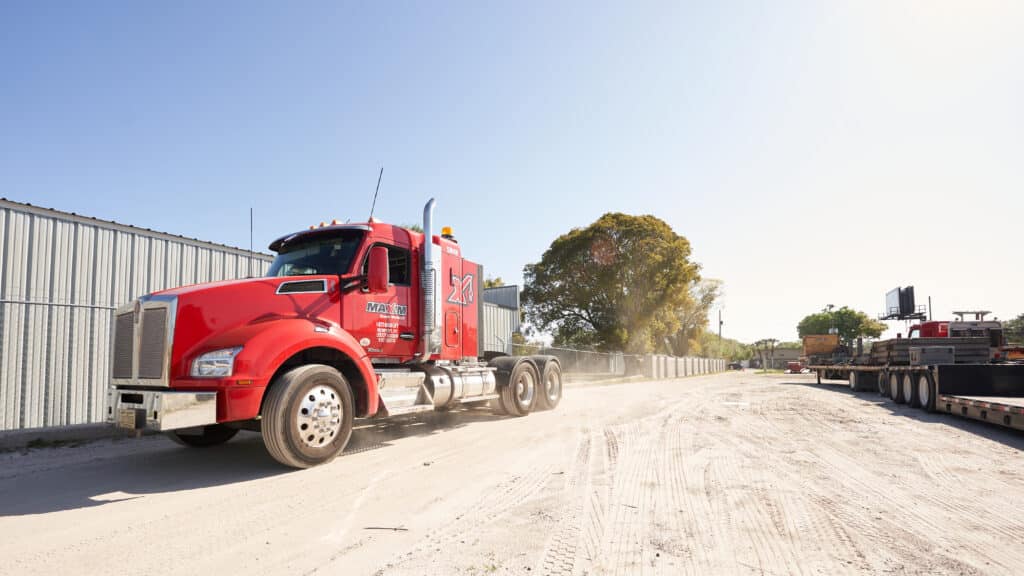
[{"x": 582, "y": 362}]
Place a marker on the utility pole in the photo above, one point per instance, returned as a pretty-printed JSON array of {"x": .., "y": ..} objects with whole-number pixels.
[{"x": 719, "y": 330}]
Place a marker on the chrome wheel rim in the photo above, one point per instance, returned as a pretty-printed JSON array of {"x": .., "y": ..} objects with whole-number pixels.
[
  {"x": 553, "y": 387},
  {"x": 894, "y": 386},
  {"x": 923, "y": 391},
  {"x": 908, "y": 388},
  {"x": 853, "y": 380},
  {"x": 525, "y": 388},
  {"x": 319, "y": 417}
]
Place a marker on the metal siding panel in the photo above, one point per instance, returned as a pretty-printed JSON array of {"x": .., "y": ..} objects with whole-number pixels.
[
  {"x": 10, "y": 371},
  {"x": 156, "y": 265},
  {"x": 55, "y": 353},
  {"x": 202, "y": 265},
  {"x": 216, "y": 265},
  {"x": 188, "y": 265},
  {"x": 140, "y": 267}
]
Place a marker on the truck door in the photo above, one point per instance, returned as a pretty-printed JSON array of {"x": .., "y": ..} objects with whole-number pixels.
[
  {"x": 453, "y": 309},
  {"x": 384, "y": 324}
]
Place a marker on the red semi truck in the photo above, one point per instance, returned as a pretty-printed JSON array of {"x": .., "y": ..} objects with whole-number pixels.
[{"x": 352, "y": 321}]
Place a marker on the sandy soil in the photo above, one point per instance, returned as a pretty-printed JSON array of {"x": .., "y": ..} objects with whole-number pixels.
[{"x": 729, "y": 474}]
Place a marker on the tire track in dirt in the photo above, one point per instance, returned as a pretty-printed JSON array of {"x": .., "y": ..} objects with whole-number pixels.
[
  {"x": 559, "y": 557},
  {"x": 860, "y": 484}
]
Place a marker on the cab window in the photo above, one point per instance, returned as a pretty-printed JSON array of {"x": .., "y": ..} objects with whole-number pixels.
[{"x": 399, "y": 265}]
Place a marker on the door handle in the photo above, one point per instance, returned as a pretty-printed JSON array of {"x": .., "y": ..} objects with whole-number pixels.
[{"x": 407, "y": 336}]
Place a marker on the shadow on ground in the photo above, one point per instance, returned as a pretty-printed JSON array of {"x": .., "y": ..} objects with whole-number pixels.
[
  {"x": 994, "y": 432},
  {"x": 122, "y": 471}
]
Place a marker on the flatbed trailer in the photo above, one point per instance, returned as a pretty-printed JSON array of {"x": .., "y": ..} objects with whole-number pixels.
[{"x": 981, "y": 391}]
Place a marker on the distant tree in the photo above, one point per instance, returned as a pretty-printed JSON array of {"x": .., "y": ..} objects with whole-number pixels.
[
  {"x": 614, "y": 285},
  {"x": 413, "y": 227},
  {"x": 493, "y": 282},
  {"x": 850, "y": 324},
  {"x": 692, "y": 315},
  {"x": 789, "y": 345},
  {"x": 1013, "y": 330}
]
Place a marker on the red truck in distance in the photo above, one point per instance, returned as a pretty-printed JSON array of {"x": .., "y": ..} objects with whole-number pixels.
[{"x": 352, "y": 321}]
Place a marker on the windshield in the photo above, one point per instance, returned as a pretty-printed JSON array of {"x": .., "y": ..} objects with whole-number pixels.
[{"x": 317, "y": 256}]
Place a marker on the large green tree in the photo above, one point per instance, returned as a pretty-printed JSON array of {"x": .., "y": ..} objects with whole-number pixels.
[
  {"x": 849, "y": 323},
  {"x": 614, "y": 285}
]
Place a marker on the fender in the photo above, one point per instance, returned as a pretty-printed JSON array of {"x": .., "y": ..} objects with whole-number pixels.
[
  {"x": 267, "y": 345},
  {"x": 504, "y": 365}
]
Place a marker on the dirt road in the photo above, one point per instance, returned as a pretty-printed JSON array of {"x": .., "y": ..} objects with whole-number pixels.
[{"x": 734, "y": 474}]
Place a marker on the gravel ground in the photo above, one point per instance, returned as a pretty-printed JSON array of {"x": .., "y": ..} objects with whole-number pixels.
[{"x": 730, "y": 474}]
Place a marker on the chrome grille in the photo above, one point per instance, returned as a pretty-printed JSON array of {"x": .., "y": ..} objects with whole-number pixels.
[
  {"x": 152, "y": 343},
  {"x": 143, "y": 337},
  {"x": 124, "y": 337}
]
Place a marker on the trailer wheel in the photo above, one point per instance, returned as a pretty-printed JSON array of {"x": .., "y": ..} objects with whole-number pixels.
[
  {"x": 520, "y": 394},
  {"x": 883, "y": 383},
  {"x": 307, "y": 416},
  {"x": 550, "y": 392},
  {"x": 909, "y": 393},
  {"x": 211, "y": 435},
  {"x": 926, "y": 392},
  {"x": 895, "y": 390},
  {"x": 820, "y": 372}
]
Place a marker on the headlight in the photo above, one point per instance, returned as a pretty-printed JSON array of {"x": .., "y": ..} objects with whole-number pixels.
[{"x": 216, "y": 364}]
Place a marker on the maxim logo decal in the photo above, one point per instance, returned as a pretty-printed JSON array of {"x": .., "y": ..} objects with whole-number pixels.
[
  {"x": 462, "y": 290},
  {"x": 384, "y": 308}
]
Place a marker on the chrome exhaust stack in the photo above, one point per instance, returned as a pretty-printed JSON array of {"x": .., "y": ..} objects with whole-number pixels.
[{"x": 430, "y": 338}]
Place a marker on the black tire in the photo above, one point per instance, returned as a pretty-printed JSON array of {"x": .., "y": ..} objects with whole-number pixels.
[
  {"x": 519, "y": 395},
  {"x": 883, "y": 383},
  {"x": 820, "y": 372},
  {"x": 211, "y": 435},
  {"x": 909, "y": 392},
  {"x": 895, "y": 390},
  {"x": 926, "y": 392},
  {"x": 296, "y": 435},
  {"x": 549, "y": 392},
  {"x": 854, "y": 381}
]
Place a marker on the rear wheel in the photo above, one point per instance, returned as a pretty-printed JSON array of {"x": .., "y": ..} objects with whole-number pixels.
[
  {"x": 895, "y": 390},
  {"x": 853, "y": 381},
  {"x": 520, "y": 394},
  {"x": 211, "y": 435},
  {"x": 307, "y": 416},
  {"x": 925, "y": 392},
  {"x": 550, "y": 393},
  {"x": 909, "y": 394},
  {"x": 883, "y": 383}
]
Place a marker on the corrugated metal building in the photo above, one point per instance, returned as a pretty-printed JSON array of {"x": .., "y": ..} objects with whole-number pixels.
[
  {"x": 501, "y": 318},
  {"x": 61, "y": 276}
]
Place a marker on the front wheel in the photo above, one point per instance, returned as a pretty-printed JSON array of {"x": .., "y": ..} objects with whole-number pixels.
[
  {"x": 307, "y": 416},
  {"x": 211, "y": 435}
]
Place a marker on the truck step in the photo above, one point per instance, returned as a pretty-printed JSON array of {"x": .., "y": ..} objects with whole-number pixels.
[
  {"x": 415, "y": 409},
  {"x": 478, "y": 398}
]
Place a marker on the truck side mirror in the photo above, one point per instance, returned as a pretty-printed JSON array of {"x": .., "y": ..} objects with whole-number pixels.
[{"x": 377, "y": 275}]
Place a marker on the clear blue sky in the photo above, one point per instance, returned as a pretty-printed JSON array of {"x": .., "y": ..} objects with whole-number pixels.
[{"x": 779, "y": 137}]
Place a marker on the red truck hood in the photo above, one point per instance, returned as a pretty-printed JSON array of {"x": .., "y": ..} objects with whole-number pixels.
[{"x": 226, "y": 314}]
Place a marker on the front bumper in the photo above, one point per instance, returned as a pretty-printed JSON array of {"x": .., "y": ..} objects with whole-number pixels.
[{"x": 160, "y": 410}]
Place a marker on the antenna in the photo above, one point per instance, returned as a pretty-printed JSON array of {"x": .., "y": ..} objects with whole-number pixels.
[{"x": 374, "y": 205}]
